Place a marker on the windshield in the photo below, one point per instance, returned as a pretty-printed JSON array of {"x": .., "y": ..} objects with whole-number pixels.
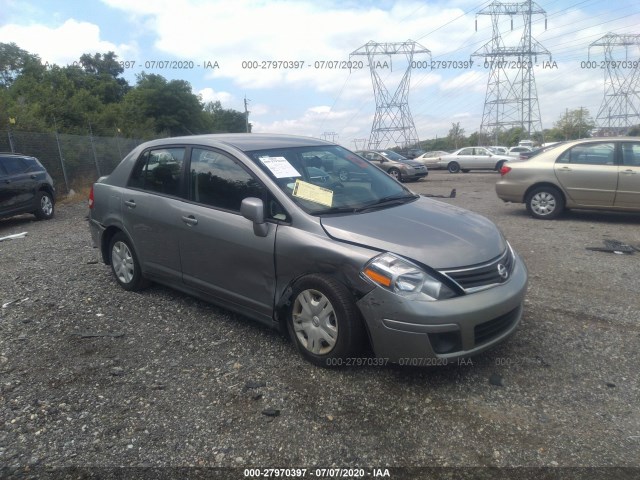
[
  {"x": 329, "y": 179},
  {"x": 393, "y": 155}
]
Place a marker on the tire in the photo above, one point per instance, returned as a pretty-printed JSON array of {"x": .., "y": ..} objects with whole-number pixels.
[
  {"x": 124, "y": 263},
  {"x": 465, "y": 170},
  {"x": 545, "y": 203},
  {"x": 45, "y": 203},
  {"x": 343, "y": 175},
  {"x": 499, "y": 165},
  {"x": 324, "y": 322},
  {"x": 453, "y": 167},
  {"x": 395, "y": 173}
]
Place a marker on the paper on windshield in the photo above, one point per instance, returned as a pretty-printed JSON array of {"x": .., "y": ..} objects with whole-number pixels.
[
  {"x": 313, "y": 193},
  {"x": 280, "y": 167}
]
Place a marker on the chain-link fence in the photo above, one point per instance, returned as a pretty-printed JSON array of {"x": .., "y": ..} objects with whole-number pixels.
[{"x": 74, "y": 161}]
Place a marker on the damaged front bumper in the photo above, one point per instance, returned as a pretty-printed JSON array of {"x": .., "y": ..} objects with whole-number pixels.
[{"x": 407, "y": 332}]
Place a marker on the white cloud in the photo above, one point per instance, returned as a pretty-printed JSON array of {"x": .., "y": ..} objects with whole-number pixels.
[
  {"x": 63, "y": 44},
  {"x": 210, "y": 95},
  {"x": 309, "y": 124},
  {"x": 284, "y": 31}
]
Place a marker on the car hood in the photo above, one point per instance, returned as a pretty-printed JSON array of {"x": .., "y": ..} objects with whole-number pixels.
[
  {"x": 427, "y": 231},
  {"x": 414, "y": 163}
]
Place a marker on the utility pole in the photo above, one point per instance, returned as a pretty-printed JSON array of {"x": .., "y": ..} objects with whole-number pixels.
[
  {"x": 392, "y": 122},
  {"x": 620, "y": 107},
  {"x": 511, "y": 99},
  {"x": 246, "y": 113}
]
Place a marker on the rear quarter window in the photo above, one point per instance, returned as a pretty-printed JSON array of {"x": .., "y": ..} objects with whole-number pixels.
[{"x": 14, "y": 165}]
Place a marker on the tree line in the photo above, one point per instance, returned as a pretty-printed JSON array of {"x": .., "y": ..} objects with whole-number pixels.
[{"x": 91, "y": 95}]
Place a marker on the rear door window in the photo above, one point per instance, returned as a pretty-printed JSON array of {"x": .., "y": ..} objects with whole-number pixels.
[
  {"x": 160, "y": 171},
  {"x": 630, "y": 154}
]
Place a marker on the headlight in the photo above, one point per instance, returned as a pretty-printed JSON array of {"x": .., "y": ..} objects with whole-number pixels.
[{"x": 406, "y": 279}]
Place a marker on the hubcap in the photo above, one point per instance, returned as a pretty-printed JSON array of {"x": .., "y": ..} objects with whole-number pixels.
[
  {"x": 543, "y": 203},
  {"x": 122, "y": 262},
  {"x": 314, "y": 322},
  {"x": 46, "y": 206}
]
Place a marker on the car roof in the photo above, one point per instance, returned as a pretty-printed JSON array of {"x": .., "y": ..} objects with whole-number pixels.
[
  {"x": 243, "y": 141},
  {"x": 14, "y": 154}
]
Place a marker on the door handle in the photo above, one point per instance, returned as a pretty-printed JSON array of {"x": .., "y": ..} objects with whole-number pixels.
[
  {"x": 629, "y": 172},
  {"x": 130, "y": 203},
  {"x": 566, "y": 169},
  {"x": 190, "y": 220}
]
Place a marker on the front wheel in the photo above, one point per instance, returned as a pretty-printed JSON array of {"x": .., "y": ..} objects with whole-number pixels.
[
  {"x": 124, "y": 263},
  {"x": 545, "y": 203},
  {"x": 395, "y": 173},
  {"x": 324, "y": 322},
  {"x": 453, "y": 167},
  {"x": 45, "y": 206}
]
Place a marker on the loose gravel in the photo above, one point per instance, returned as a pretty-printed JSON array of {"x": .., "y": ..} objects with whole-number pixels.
[{"x": 94, "y": 376}]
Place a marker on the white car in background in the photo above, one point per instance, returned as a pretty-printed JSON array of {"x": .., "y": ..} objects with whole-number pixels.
[
  {"x": 472, "y": 158},
  {"x": 517, "y": 150},
  {"x": 498, "y": 150}
]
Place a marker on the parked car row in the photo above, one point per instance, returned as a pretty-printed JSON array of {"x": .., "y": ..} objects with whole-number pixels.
[{"x": 308, "y": 237}]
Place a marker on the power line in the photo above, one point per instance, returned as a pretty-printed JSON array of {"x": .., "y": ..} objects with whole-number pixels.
[
  {"x": 392, "y": 122},
  {"x": 511, "y": 99}
]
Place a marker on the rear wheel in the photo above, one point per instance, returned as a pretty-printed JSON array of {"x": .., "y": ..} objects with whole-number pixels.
[
  {"x": 453, "y": 167},
  {"x": 323, "y": 321},
  {"x": 545, "y": 203},
  {"x": 45, "y": 206},
  {"x": 124, "y": 263}
]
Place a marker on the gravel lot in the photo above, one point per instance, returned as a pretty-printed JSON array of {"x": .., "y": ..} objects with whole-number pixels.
[{"x": 93, "y": 376}]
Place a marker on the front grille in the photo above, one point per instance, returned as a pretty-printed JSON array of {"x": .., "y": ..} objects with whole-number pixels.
[
  {"x": 494, "y": 328},
  {"x": 480, "y": 277}
]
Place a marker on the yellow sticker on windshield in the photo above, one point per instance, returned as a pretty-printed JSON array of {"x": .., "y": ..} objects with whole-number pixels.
[{"x": 313, "y": 193}]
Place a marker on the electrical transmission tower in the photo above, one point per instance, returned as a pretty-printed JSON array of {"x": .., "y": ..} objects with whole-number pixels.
[
  {"x": 620, "y": 107},
  {"x": 392, "y": 122},
  {"x": 511, "y": 99}
]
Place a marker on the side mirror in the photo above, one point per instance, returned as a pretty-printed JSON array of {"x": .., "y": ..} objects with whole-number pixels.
[{"x": 252, "y": 209}]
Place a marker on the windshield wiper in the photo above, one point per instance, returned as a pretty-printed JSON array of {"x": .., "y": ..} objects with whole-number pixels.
[
  {"x": 337, "y": 210},
  {"x": 389, "y": 201},
  {"x": 380, "y": 203}
]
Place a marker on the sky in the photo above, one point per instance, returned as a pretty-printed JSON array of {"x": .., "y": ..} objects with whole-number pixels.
[{"x": 290, "y": 59}]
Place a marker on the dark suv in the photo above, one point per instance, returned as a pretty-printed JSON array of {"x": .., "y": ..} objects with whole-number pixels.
[{"x": 25, "y": 187}]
